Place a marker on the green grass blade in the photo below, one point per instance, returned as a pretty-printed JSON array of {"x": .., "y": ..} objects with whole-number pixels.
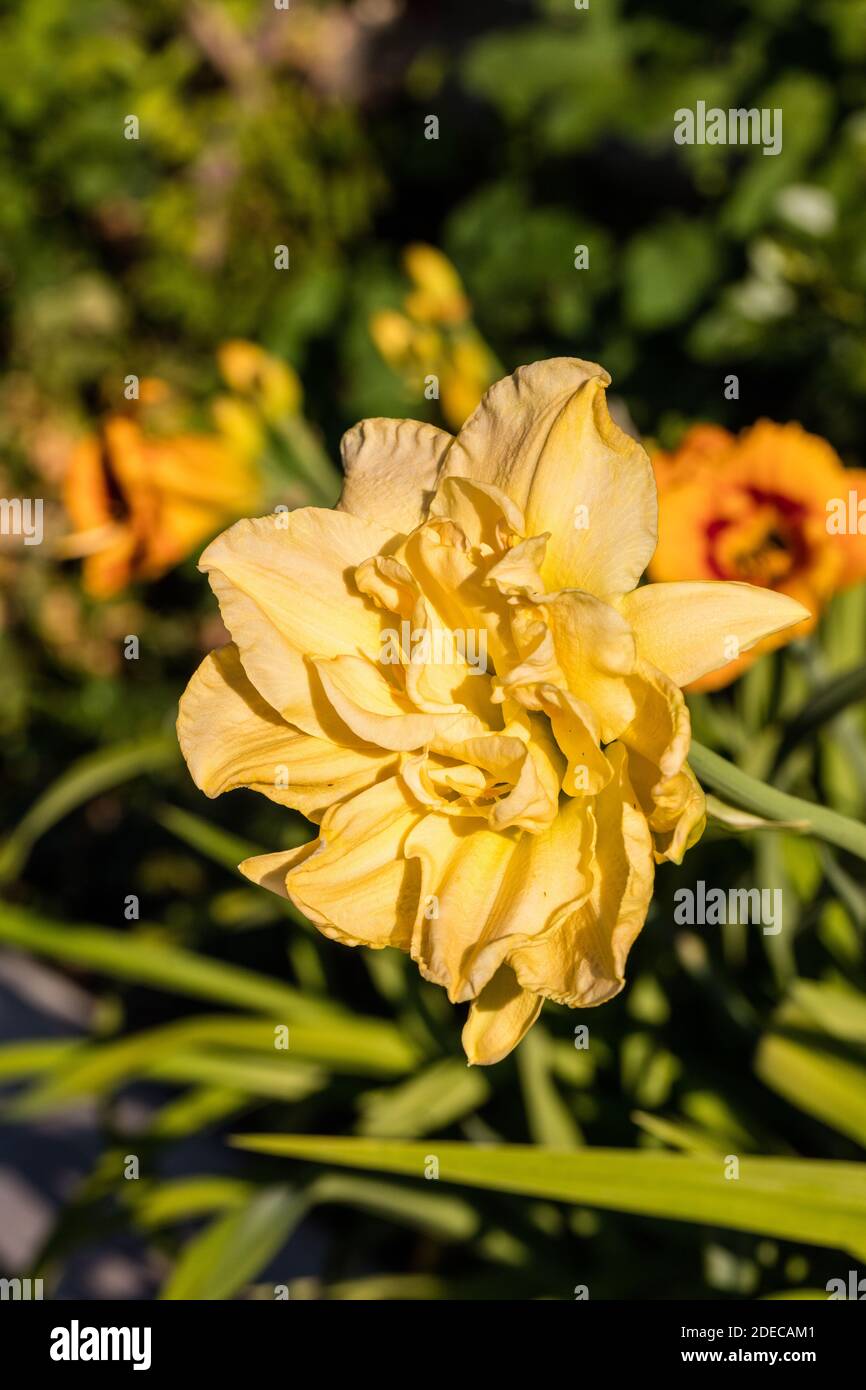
[
  {"x": 268, "y": 1077},
  {"x": 19, "y": 1060},
  {"x": 821, "y": 1202},
  {"x": 840, "y": 1012},
  {"x": 675, "y": 1135},
  {"x": 178, "y": 1051},
  {"x": 833, "y": 696},
  {"x": 182, "y": 1199},
  {"x": 223, "y": 848},
  {"x": 430, "y": 1100},
  {"x": 210, "y": 840},
  {"x": 379, "y": 1288},
  {"x": 796, "y": 1296},
  {"x": 162, "y": 965},
  {"x": 236, "y": 1247},
  {"x": 442, "y": 1215},
  {"x": 130, "y": 956},
  {"x": 549, "y": 1119},
  {"x": 820, "y": 1082},
  {"x": 194, "y": 1111},
  {"x": 88, "y": 777}
]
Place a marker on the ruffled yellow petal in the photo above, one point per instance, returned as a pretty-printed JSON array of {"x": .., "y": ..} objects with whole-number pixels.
[
  {"x": 391, "y": 468},
  {"x": 576, "y": 731},
  {"x": 462, "y": 867},
  {"x": 378, "y": 712},
  {"x": 675, "y": 807},
  {"x": 285, "y": 593},
  {"x": 231, "y": 738},
  {"x": 595, "y": 648},
  {"x": 270, "y": 870},
  {"x": 688, "y": 629},
  {"x": 499, "y": 1018},
  {"x": 355, "y": 884},
  {"x": 545, "y": 438},
  {"x": 483, "y": 892},
  {"x": 440, "y": 667},
  {"x": 661, "y": 728},
  {"x": 485, "y": 514},
  {"x": 580, "y": 959},
  {"x": 452, "y": 574},
  {"x": 658, "y": 742},
  {"x": 533, "y": 802}
]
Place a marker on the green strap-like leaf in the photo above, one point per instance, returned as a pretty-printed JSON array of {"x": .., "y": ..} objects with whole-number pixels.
[
  {"x": 824, "y": 704},
  {"x": 210, "y": 840},
  {"x": 549, "y": 1119},
  {"x": 180, "y": 1199},
  {"x": 831, "y": 1087},
  {"x": 821, "y": 1202},
  {"x": 236, "y": 1247},
  {"x": 89, "y": 777},
  {"x": 234, "y": 1054},
  {"x": 443, "y": 1215},
  {"x": 19, "y": 1060},
  {"x": 128, "y": 956},
  {"x": 839, "y": 1011},
  {"x": 165, "y": 966},
  {"x": 429, "y": 1100}
]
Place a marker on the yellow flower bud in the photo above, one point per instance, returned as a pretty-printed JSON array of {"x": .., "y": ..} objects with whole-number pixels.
[
  {"x": 272, "y": 385},
  {"x": 437, "y": 295}
]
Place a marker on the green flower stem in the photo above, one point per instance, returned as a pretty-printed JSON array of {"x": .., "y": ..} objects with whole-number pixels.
[
  {"x": 309, "y": 459},
  {"x": 751, "y": 795}
]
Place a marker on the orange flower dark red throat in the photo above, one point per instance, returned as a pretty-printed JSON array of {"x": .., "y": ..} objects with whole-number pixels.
[{"x": 757, "y": 508}]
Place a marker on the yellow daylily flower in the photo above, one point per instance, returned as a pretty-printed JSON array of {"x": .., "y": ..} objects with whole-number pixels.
[{"x": 456, "y": 676}]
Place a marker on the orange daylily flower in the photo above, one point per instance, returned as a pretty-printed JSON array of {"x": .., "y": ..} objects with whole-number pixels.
[
  {"x": 140, "y": 503},
  {"x": 762, "y": 507}
]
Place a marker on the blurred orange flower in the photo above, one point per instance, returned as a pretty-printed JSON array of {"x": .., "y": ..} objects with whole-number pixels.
[
  {"x": 140, "y": 503},
  {"x": 771, "y": 506}
]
